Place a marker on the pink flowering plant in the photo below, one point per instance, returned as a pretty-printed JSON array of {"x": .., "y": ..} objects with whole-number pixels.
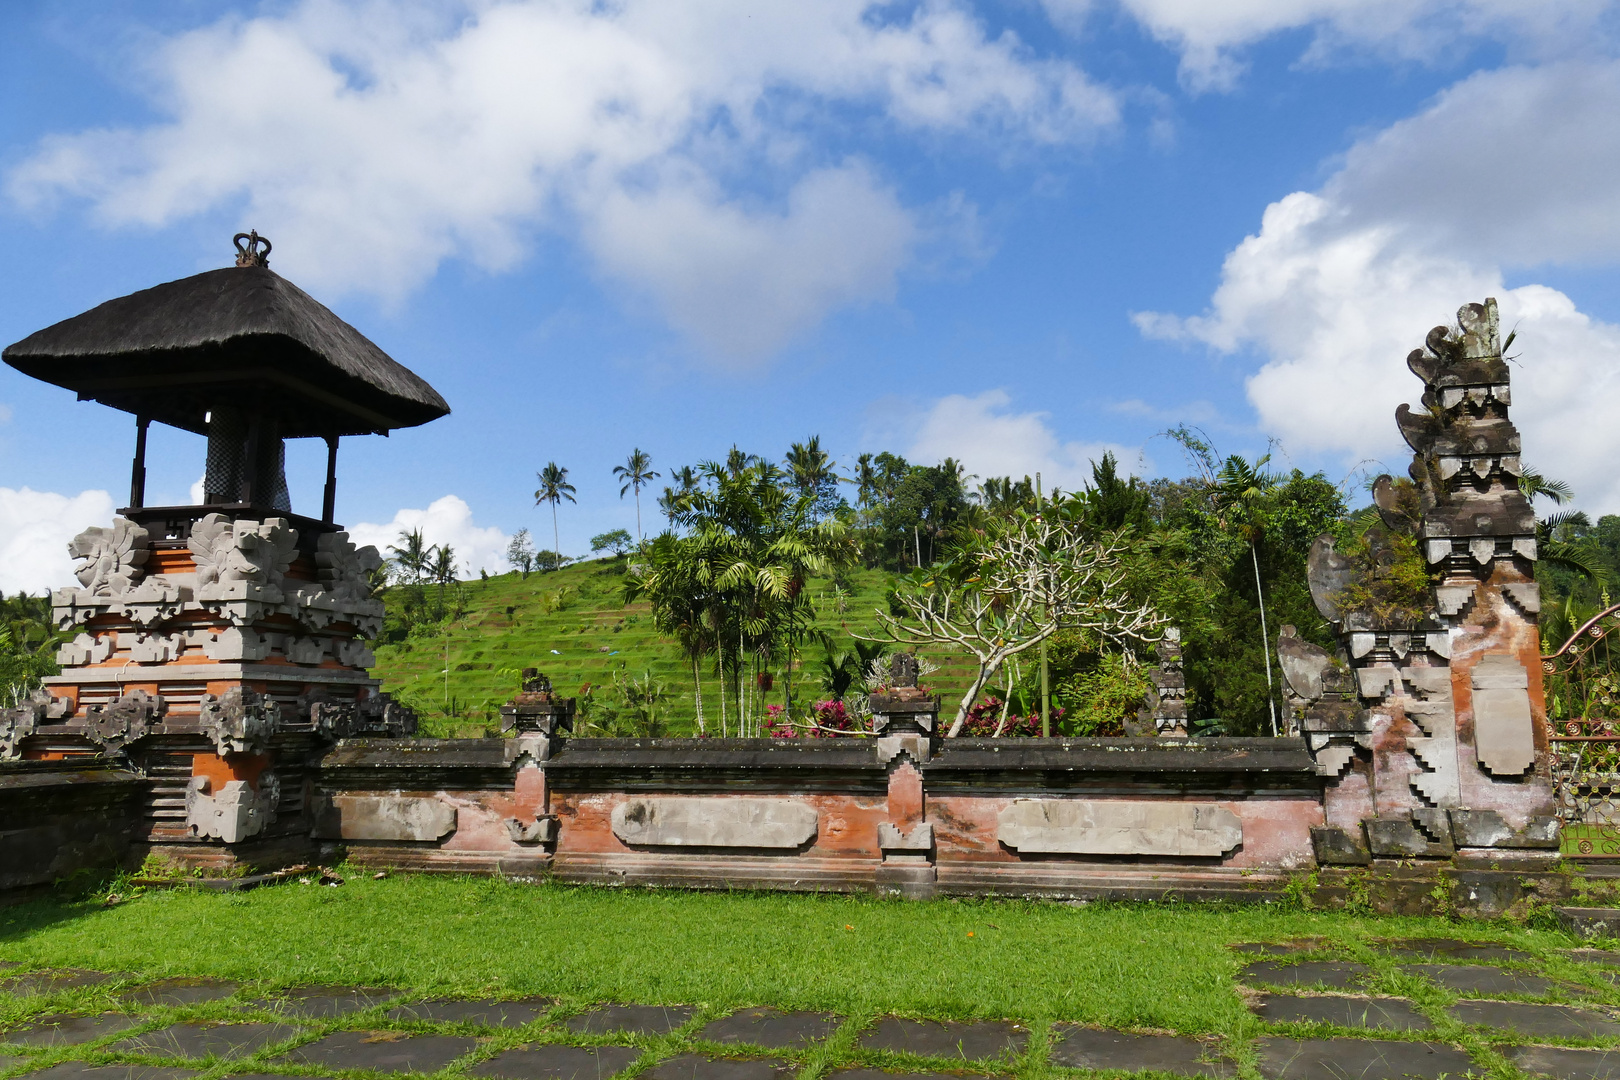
[{"x": 825, "y": 720}]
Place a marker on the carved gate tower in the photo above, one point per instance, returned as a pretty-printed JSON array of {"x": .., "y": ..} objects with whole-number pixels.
[
  {"x": 220, "y": 646},
  {"x": 1433, "y": 737}
]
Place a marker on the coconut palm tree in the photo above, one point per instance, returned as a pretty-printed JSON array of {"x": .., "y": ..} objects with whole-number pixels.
[
  {"x": 636, "y": 472},
  {"x": 554, "y": 487},
  {"x": 1241, "y": 493},
  {"x": 410, "y": 556}
]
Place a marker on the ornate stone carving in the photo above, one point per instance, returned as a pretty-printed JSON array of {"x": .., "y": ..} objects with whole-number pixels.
[
  {"x": 84, "y": 649},
  {"x": 239, "y": 721},
  {"x": 382, "y": 716},
  {"x": 346, "y": 570},
  {"x": 1164, "y": 712},
  {"x": 157, "y": 648},
  {"x": 536, "y": 708},
  {"x": 16, "y": 724},
  {"x": 542, "y": 831},
  {"x": 334, "y": 719},
  {"x": 235, "y": 812},
  {"x": 226, "y": 551},
  {"x": 124, "y": 720},
  {"x": 110, "y": 558}
]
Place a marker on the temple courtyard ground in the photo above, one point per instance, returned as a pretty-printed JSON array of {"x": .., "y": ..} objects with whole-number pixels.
[{"x": 485, "y": 978}]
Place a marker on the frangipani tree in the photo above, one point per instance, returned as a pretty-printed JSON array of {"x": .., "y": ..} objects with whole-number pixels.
[{"x": 1037, "y": 574}]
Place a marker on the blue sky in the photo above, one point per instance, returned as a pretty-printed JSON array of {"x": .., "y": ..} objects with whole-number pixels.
[{"x": 1016, "y": 234}]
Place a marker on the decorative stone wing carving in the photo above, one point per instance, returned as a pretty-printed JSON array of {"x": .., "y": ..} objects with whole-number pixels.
[
  {"x": 110, "y": 559},
  {"x": 1302, "y": 663},
  {"x": 15, "y": 726},
  {"x": 235, "y": 812},
  {"x": 344, "y": 569},
  {"x": 250, "y": 551},
  {"x": 124, "y": 720},
  {"x": 1328, "y": 574},
  {"x": 240, "y": 721}
]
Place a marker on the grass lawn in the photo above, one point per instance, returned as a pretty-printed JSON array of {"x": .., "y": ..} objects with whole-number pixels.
[
  {"x": 1141, "y": 967},
  {"x": 572, "y": 624}
]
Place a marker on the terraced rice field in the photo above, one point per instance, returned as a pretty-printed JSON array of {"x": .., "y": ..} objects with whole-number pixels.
[{"x": 573, "y": 625}]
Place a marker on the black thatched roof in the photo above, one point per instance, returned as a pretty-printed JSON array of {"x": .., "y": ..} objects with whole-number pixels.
[{"x": 243, "y": 337}]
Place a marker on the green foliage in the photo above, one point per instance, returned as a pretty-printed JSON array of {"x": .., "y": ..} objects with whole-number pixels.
[
  {"x": 617, "y": 542},
  {"x": 1393, "y": 589},
  {"x": 628, "y": 706},
  {"x": 27, "y": 645}
]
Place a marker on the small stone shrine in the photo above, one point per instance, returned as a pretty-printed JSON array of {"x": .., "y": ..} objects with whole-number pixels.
[
  {"x": 220, "y": 645},
  {"x": 1431, "y": 730}
]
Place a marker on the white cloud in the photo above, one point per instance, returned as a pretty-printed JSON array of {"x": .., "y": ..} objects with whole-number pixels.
[
  {"x": 373, "y": 140},
  {"x": 35, "y": 527},
  {"x": 1338, "y": 286},
  {"x": 448, "y": 520},
  {"x": 1210, "y": 35},
  {"x": 982, "y": 433}
]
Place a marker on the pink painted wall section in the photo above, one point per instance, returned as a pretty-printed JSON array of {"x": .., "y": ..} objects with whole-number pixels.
[{"x": 1276, "y": 832}]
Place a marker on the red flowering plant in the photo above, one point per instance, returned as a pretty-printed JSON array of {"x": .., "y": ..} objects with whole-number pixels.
[
  {"x": 827, "y": 719},
  {"x": 984, "y": 721}
]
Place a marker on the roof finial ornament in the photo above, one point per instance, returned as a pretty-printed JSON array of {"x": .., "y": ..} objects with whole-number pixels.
[{"x": 249, "y": 254}]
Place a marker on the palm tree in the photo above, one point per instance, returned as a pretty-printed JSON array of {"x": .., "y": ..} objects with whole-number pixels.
[
  {"x": 635, "y": 473},
  {"x": 410, "y": 556},
  {"x": 554, "y": 487},
  {"x": 1240, "y": 491},
  {"x": 865, "y": 479}
]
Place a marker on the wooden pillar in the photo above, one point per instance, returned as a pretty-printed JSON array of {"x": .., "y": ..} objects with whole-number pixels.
[
  {"x": 329, "y": 503},
  {"x": 137, "y": 471}
]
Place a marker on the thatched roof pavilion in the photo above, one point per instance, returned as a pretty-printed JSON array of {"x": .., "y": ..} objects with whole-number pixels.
[{"x": 241, "y": 355}]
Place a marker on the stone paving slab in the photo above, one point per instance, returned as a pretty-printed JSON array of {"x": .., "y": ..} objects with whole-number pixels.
[
  {"x": 635, "y": 1019},
  {"x": 1340, "y": 976},
  {"x": 484, "y": 1013},
  {"x": 879, "y": 1074},
  {"x": 8, "y": 1060},
  {"x": 703, "y": 1067},
  {"x": 1475, "y": 979},
  {"x": 1390, "y": 1014},
  {"x": 1594, "y": 956},
  {"x": 771, "y": 1028},
  {"x": 1561, "y": 1021},
  {"x": 383, "y": 1051},
  {"x": 200, "y": 1040},
  {"x": 174, "y": 992},
  {"x": 557, "y": 1062},
  {"x": 1363, "y": 1059},
  {"x": 65, "y": 1029},
  {"x": 1076, "y": 1047},
  {"x": 1451, "y": 949},
  {"x": 78, "y": 1070},
  {"x": 325, "y": 1002},
  {"x": 49, "y": 982},
  {"x": 930, "y": 1038},
  {"x": 1567, "y": 1064},
  {"x": 1277, "y": 948}
]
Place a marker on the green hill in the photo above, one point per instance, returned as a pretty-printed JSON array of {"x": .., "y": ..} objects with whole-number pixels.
[{"x": 572, "y": 625}]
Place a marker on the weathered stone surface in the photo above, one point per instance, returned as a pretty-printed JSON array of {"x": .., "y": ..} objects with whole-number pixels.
[
  {"x": 322, "y": 1002},
  {"x": 743, "y": 822},
  {"x": 1558, "y": 1020},
  {"x": 1487, "y": 828},
  {"x": 49, "y": 982},
  {"x": 78, "y": 1070},
  {"x": 1390, "y": 1014},
  {"x": 1503, "y": 729},
  {"x": 64, "y": 1030},
  {"x": 204, "y": 1039},
  {"x": 771, "y": 1028},
  {"x": 1590, "y": 921},
  {"x": 1474, "y": 979},
  {"x": 701, "y": 1067},
  {"x": 636, "y": 1019},
  {"x": 931, "y": 1038},
  {"x": 555, "y": 1062},
  {"x": 1594, "y": 956},
  {"x": 1567, "y": 1064},
  {"x": 383, "y": 1051},
  {"x": 1118, "y": 827},
  {"x": 1364, "y": 1059},
  {"x": 1335, "y": 846},
  {"x": 1076, "y": 1047},
  {"x": 233, "y": 813},
  {"x": 1408, "y": 836},
  {"x": 879, "y": 1074},
  {"x": 182, "y": 992},
  {"x": 392, "y": 817},
  {"x": 1453, "y": 949},
  {"x": 1310, "y": 973},
  {"x": 483, "y": 1013}
]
